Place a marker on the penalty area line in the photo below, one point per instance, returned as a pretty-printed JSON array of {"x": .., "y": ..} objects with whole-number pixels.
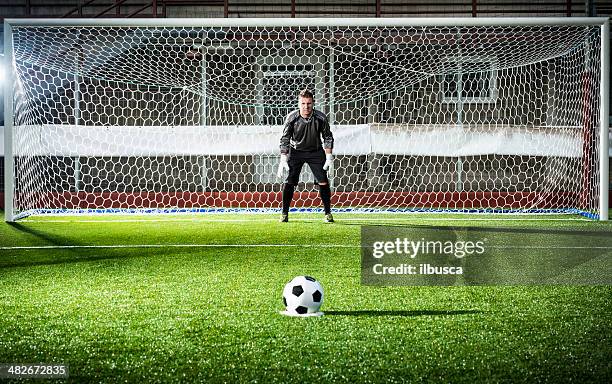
[
  {"x": 37, "y": 247},
  {"x": 547, "y": 247},
  {"x": 342, "y": 246}
]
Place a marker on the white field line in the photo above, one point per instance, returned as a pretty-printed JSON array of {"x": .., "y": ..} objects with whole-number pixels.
[
  {"x": 546, "y": 247},
  {"x": 211, "y": 220},
  {"x": 181, "y": 246},
  {"x": 124, "y": 246}
]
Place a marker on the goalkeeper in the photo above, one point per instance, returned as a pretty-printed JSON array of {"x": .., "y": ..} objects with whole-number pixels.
[{"x": 301, "y": 143}]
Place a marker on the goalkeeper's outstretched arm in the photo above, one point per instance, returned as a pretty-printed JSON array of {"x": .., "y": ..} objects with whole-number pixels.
[{"x": 285, "y": 144}]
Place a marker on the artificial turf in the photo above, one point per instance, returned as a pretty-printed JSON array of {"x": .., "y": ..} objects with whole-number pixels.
[{"x": 197, "y": 299}]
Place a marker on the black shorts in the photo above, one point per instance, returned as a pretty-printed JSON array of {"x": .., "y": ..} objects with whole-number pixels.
[{"x": 315, "y": 161}]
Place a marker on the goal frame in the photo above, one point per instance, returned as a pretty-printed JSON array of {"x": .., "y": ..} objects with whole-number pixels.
[{"x": 604, "y": 91}]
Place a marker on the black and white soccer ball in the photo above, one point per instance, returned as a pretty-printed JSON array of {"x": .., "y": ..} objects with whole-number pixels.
[{"x": 303, "y": 296}]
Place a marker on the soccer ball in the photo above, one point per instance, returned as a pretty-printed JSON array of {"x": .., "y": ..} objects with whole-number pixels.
[{"x": 303, "y": 296}]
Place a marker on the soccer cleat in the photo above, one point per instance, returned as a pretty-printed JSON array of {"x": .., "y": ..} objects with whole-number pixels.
[
  {"x": 284, "y": 218},
  {"x": 329, "y": 218}
]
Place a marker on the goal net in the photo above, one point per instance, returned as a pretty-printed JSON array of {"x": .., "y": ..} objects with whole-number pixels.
[{"x": 456, "y": 115}]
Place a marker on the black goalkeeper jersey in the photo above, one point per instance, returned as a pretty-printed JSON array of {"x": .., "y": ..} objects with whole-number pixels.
[{"x": 305, "y": 134}]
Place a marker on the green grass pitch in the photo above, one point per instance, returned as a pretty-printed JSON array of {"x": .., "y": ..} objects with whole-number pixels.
[{"x": 197, "y": 299}]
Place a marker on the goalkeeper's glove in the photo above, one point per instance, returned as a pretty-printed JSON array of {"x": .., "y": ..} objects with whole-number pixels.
[
  {"x": 283, "y": 165},
  {"x": 329, "y": 162}
]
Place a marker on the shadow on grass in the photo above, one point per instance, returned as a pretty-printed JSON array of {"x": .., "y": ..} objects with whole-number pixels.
[
  {"x": 66, "y": 250},
  {"x": 48, "y": 238},
  {"x": 373, "y": 313}
]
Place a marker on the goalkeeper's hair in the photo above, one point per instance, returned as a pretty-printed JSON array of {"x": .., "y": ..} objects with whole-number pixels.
[{"x": 306, "y": 93}]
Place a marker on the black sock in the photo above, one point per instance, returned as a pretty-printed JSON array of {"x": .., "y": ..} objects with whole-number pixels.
[
  {"x": 287, "y": 197},
  {"x": 325, "y": 193}
]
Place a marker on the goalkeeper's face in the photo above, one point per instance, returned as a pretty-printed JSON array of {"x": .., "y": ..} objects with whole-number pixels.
[{"x": 306, "y": 105}]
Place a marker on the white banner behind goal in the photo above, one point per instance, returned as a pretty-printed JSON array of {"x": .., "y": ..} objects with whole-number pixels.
[
  {"x": 352, "y": 140},
  {"x": 442, "y": 114}
]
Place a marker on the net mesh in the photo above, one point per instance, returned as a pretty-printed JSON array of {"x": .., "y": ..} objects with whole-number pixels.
[{"x": 448, "y": 118}]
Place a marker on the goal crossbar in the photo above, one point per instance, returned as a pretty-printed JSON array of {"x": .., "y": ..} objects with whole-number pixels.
[{"x": 316, "y": 22}]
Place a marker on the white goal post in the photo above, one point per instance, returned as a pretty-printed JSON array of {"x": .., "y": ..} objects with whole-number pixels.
[{"x": 496, "y": 115}]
